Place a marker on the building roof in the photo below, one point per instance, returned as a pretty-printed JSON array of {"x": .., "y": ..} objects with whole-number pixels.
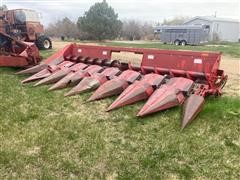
[{"x": 213, "y": 18}]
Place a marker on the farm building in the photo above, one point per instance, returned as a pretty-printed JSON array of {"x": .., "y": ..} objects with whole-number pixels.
[{"x": 220, "y": 28}]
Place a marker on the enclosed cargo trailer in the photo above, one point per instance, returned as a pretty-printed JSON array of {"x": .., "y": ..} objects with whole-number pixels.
[{"x": 183, "y": 35}]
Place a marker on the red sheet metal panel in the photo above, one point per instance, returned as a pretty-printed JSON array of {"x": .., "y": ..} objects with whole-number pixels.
[{"x": 11, "y": 61}]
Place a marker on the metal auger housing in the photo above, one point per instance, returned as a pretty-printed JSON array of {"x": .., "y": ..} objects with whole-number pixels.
[{"x": 165, "y": 78}]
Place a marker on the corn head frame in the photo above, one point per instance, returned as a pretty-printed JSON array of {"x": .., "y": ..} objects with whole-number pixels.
[{"x": 165, "y": 78}]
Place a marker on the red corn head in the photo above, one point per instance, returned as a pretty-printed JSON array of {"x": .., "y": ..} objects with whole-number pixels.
[
  {"x": 167, "y": 96},
  {"x": 94, "y": 81},
  {"x": 53, "y": 60},
  {"x": 191, "y": 108},
  {"x": 48, "y": 71},
  {"x": 138, "y": 91},
  {"x": 110, "y": 72},
  {"x": 33, "y": 69},
  {"x": 115, "y": 86},
  {"x": 42, "y": 74},
  {"x": 56, "y": 76},
  {"x": 86, "y": 84},
  {"x": 74, "y": 77},
  {"x": 185, "y": 67}
]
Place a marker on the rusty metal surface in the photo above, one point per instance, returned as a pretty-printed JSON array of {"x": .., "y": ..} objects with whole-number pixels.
[
  {"x": 15, "y": 53},
  {"x": 26, "y": 31}
]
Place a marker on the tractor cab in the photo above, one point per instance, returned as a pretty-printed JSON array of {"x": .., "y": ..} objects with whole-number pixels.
[
  {"x": 25, "y": 24},
  {"x": 25, "y": 15}
]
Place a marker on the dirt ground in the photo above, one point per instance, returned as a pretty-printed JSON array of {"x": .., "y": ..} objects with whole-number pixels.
[
  {"x": 229, "y": 64},
  {"x": 60, "y": 44}
]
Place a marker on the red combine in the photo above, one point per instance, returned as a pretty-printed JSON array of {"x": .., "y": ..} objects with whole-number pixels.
[
  {"x": 24, "y": 25},
  {"x": 165, "y": 78},
  {"x": 14, "y": 53}
]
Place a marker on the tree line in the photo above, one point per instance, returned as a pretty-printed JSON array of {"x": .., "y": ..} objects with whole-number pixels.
[{"x": 101, "y": 22}]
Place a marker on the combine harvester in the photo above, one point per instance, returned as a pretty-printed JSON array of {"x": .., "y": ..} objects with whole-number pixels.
[
  {"x": 164, "y": 79},
  {"x": 15, "y": 53}
]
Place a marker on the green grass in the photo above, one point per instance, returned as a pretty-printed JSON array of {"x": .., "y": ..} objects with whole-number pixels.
[
  {"x": 232, "y": 49},
  {"x": 44, "y": 135},
  {"x": 47, "y": 53}
]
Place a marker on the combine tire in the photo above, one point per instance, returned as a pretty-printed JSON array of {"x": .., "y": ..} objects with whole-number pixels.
[{"x": 44, "y": 42}]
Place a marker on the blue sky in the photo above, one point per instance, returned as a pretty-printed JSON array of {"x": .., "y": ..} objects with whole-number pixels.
[{"x": 146, "y": 10}]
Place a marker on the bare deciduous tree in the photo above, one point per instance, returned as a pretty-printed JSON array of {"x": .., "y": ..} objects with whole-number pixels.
[
  {"x": 136, "y": 30},
  {"x": 64, "y": 27},
  {"x": 148, "y": 31},
  {"x": 176, "y": 20},
  {"x": 131, "y": 30}
]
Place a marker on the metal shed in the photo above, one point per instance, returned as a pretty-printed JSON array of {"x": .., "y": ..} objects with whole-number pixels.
[{"x": 221, "y": 29}]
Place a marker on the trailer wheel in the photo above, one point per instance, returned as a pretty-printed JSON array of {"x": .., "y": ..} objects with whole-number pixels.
[
  {"x": 177, "y": 42},
  {"x": 43, "y": 42},
  {"x": 183, "y": 43}
]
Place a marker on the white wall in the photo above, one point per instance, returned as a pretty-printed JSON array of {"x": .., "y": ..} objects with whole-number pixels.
[{"x": 226, "y": 31}]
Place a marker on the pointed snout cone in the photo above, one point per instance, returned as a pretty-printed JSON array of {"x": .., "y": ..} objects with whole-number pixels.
[
  {"x": 134, "y": 93},
  {"x": 87, "y": 84},
  {"x": 163, "y": 98},
  {"x": 40, "y": 75},
  {"x": 72, "y": 79},
  {"x": 33, "y": 69},
  {"x": 138, "y": 91},
  {"x": 191, "y": 108},
  {"x": 54, "y": 77},
  {"x": 110, "y": 88}
]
